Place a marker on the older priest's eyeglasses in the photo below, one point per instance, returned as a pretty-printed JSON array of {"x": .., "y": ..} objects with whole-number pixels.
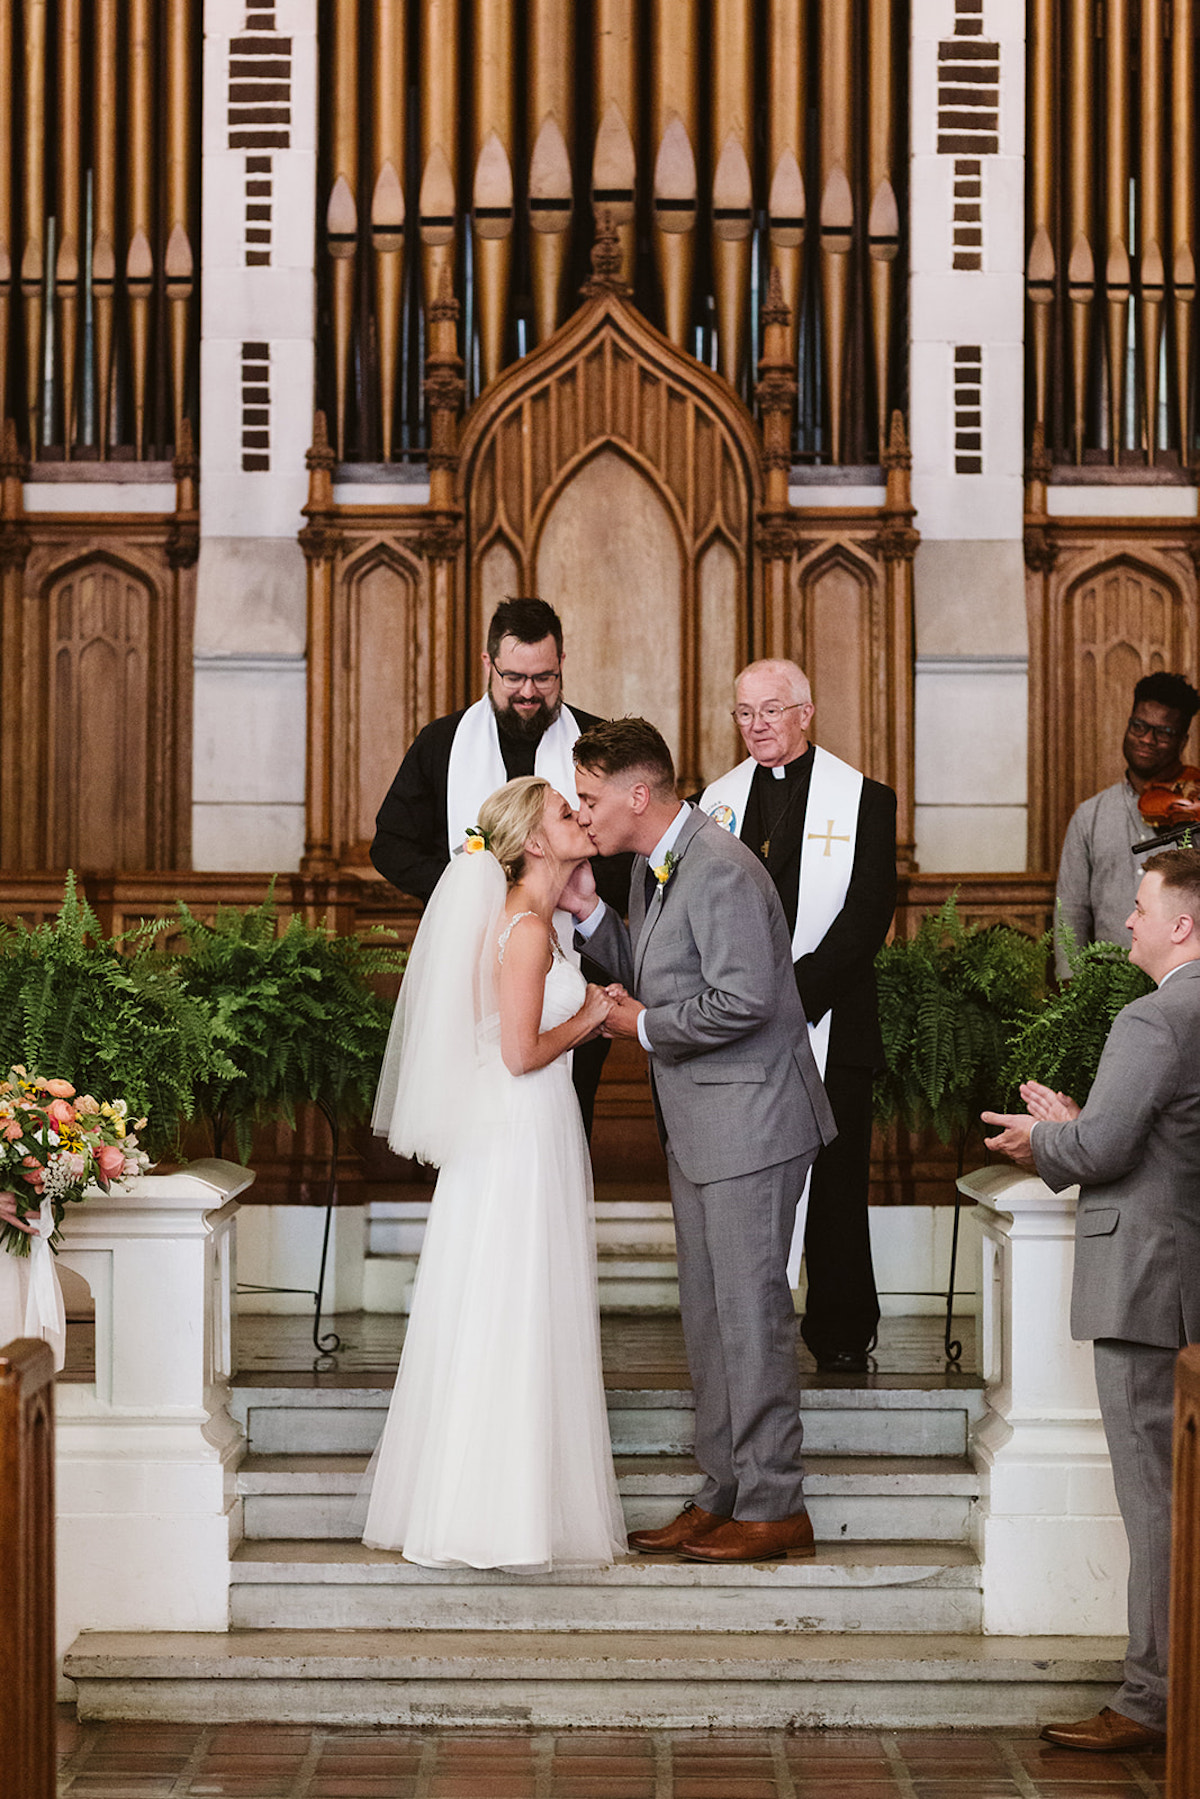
[
  {"x": 770, "y": 714},
  {"x": 1138, "y": 727},
  {"x": 513, "y": 681}
]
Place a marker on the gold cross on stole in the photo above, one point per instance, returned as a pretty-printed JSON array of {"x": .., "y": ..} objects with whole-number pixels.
[{"x": 827, "y": 838}]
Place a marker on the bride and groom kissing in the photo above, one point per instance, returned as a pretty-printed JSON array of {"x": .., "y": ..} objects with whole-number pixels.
[{"x": 496, "y": 1451}]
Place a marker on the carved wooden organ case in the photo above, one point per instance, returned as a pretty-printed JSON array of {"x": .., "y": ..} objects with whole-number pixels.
[{"x": 629, "y": 486}]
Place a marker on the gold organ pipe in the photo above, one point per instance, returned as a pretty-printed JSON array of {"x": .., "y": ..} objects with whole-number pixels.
[
  {"x": 387, "y": 200},
  {"x": 1116, "y": 208},
  {"x": 551, "y": 125},
  {"x": 837, "y": 205},
  {"x": 614, "y": 55},
  {"x": 139, "y": 263},
  {"x": 67, "y": 271},
  {"x": 1081, "y": 285},
  {"x": 178, "y": 259},
  {"x": 6, "y": 198},
  {"x": 492, "y": 218},
  {"x": 342, "y": 212},
  {"x": 104, "y": 153},
  {"x": 883, "y": 225},
  {"x": 438, "y": 202},
  {"x": 34, "y": 17},
  {"x": 1041, "y": 190},
  {"x": 1152, "y": 280},
  {"x": 787, "y": 63},
  {"x": 673, "y": 112},
  {"x": 1183, "y": 201},
  {"x": 732, "y": 199}
]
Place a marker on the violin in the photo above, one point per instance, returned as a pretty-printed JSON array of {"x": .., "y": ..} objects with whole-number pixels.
[{"x": 1174, "y": 802}]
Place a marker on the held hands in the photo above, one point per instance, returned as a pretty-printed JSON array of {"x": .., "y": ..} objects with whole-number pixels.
[
  {"x": 1044, "y": 1103},
  {"x": 8, "y": 1214},
  {"x": 594, "y": 1011},
  {"x": 622, "y": 1020}
]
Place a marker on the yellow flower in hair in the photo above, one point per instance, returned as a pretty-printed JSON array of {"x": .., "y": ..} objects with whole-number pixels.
[{"x": 472, "y": 842}]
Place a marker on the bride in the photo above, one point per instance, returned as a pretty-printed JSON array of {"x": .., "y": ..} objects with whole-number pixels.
[{"x": 496, "y": 1453}]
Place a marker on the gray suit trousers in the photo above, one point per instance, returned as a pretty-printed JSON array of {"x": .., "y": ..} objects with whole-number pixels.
[
  {"x": 739, "y": 1325},
  {"x": 1136, "y": 1383}
]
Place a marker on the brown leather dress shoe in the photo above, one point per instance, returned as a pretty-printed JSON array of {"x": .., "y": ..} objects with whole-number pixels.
[
  {"x": 692, "y": 1524},
  {"x": 744, "y": 1540},
  {"x": 1108, "y": 1733}
]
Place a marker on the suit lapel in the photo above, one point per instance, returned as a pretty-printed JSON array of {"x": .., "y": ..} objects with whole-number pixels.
[{"x": 661, "y": 900}]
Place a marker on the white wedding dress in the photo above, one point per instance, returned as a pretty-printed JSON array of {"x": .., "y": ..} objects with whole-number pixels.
[{"x": 496, "y": 1451}]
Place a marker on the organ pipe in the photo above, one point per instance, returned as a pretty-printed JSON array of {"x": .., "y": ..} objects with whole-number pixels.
[
  {"x": 614, "y": 52},
  {"x": 387, "y": 200},
  {"x": 1040, "y": 269},
  {"x": 1081, "y": 288},
  {"x": 177, "y": 261},
  {"x": 439, "y": 143},
  {"x": 673, "y": 116},
  {"x": 1183, "y": 203},
  {"x": 6, "y": 199},
  {"x": 342, "y": 212},
  {"x": 104, "y": 261},
  {"x": 493, "y": 190},
  {"x": 139, "y": 262},
  {"x": 883, "y": 223},
  {"x": 1150, "y": 212},
  {"x": 1116, "y": 210},
  {"x": 67, "y": 265},
  {"x": 732, "y": 115},
  {"x": 787, "y": 45},
  {"x": 32, "y": 264},
  {"x": 837, "y": 201},
  {"x": 551, "y": 128}
]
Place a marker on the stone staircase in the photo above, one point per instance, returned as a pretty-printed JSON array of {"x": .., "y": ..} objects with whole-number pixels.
[{"x": 881, "y": 1629}]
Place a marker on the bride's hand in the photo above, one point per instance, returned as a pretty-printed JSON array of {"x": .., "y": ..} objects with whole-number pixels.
[{"x": 595, "y": 1009}]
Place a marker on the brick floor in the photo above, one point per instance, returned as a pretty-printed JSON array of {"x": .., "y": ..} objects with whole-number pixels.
[{"x": 252, "y": 1761}]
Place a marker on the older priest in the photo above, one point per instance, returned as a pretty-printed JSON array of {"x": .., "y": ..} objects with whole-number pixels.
[{"x": 827, "y": 837}]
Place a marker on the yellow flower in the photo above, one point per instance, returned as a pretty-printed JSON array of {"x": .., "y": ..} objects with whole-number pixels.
[{"x": 472, "y": 842}]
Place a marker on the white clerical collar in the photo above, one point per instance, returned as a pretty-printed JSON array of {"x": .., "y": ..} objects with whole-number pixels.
[{"x": 658, "y": 854}]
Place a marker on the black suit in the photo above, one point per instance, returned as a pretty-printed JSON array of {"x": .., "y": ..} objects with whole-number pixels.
[
  {"x": 842, "y": 1310},
  {"x": 412, "y": 846}
]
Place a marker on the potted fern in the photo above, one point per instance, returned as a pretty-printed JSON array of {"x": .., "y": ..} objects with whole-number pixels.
[
  {"x": 951, "y": 1000},
  {"x": 1062, "y": 1045},
  {"x": 296, "y": 1021}
]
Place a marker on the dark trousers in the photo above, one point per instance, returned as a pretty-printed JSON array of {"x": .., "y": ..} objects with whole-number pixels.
[
  {"x": 586, "y": 1072},
  {"x": 842, "y": 1308}
]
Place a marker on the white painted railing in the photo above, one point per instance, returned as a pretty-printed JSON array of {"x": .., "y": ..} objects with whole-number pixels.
[{"x": 1054, "y": 1555}]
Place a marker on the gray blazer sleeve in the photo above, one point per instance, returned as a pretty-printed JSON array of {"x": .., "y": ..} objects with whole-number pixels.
[
  {"x": 1138, "y": 1076},
  {"x": 608, "y": 947}
]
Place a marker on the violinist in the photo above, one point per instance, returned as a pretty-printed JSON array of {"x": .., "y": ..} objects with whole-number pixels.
[{"x": 1099, "y": 872}]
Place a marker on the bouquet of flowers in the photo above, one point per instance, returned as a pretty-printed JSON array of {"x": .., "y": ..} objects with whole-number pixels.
[{"x": 54, "y": 1143}]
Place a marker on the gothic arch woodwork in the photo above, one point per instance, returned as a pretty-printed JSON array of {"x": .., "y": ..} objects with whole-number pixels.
[
  {"x": 96, "y": 690},
  {"x": 1107, "y": 604},
  {"x": 386, "y": 655},
  {"x": 621, "y": 480}
]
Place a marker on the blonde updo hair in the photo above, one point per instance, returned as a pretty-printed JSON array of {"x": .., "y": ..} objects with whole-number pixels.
[{"x": 510, "y": 816}]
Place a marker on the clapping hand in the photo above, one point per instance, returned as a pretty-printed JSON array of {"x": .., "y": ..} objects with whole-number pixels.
[
  {"x": 1013, "y": 1140},
  {"x": 1044, "y": 1103}
]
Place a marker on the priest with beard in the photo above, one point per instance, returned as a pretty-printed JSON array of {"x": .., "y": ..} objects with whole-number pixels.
[{"x": 521, "y": 726}]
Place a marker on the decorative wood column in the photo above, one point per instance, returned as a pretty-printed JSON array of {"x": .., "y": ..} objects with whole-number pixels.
[
  {"x": 897, "y": 546},
  {"x": 441, "y": 542},
  {"x": 777, "y": 537},
  {"x": 14, "y": 553},
  {"x": 321, "y": 542}
]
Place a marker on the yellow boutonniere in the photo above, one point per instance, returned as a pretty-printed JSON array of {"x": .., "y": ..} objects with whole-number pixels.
[{"x": 665, "y": 869}]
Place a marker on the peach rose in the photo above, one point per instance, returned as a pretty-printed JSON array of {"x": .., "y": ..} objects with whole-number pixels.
[
  {"x": 60, "y": 1089},
  {"x": 14, "y": 1130},
  {"x": 60, "y": 1112},
  {"x": 87, "y": 1106},
  {"x": 111, "y": 1161}
]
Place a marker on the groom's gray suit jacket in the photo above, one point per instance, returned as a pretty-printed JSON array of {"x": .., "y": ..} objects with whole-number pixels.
[
  {"x": 735, "y": 1083},
  {"x": 1135, "y": 1151}
]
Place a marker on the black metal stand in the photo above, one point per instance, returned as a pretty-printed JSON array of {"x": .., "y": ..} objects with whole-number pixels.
[
  {"x": 330, "y": 1343},
  {"x": 951, "y": 1344}
]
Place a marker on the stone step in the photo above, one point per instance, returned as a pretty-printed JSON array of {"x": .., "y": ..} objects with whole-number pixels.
[
  {"x": 631, "y": 1279},
  {"x": 669, "y": 1680},
  {"x": 851, "y": 1498},
  {"x": 894, "y": 1416},
  {"x": 915, "y": 1587}
]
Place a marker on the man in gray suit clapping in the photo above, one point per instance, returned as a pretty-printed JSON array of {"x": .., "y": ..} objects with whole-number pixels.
[
  {"x": 1134, "y": 1148},
  {"x": 742, "y": 1113}
]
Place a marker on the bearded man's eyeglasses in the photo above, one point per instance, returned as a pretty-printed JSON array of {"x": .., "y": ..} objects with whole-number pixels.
[{"x": 513, "y": 682}]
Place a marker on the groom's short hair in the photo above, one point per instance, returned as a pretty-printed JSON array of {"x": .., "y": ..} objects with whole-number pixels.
[{"x": 622, "y": 746}]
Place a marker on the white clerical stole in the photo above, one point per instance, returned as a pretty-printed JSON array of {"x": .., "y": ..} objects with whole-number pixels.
[{"x": 826, "y": 862}]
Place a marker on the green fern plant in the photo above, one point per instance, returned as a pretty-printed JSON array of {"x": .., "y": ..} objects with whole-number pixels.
[
  {"x": 1063, "y": 1044},
  {"x": 110, "y": 1015},
  {"x": 294, "y": 1013},
  {"x": 951, "y": 1000}
]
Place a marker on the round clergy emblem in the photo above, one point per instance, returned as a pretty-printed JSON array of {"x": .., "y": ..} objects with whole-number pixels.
[{"x": 723, "y": 815}]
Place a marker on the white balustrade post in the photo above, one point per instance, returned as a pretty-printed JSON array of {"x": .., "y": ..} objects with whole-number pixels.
[
  {"x": 1050, "y": 1539},
  {"x": 147, "y": 1453}
]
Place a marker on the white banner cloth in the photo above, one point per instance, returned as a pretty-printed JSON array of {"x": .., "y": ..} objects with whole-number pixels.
[{"x": 834, "y": 793}]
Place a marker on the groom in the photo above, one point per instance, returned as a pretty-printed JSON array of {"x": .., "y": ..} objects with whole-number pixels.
[{"x": 741, "y": 1111}]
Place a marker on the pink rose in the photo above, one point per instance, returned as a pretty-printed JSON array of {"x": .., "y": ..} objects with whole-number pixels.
[
  {"x": 60, "y": 1089},
  {"x": 14, "y": 1130},
  {"x": 111, "y": 1162},
  {"x": 37, "y": 1174},
  {"x": 60, "y": 1112},
  {"x": 85, "y": 1105}
]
